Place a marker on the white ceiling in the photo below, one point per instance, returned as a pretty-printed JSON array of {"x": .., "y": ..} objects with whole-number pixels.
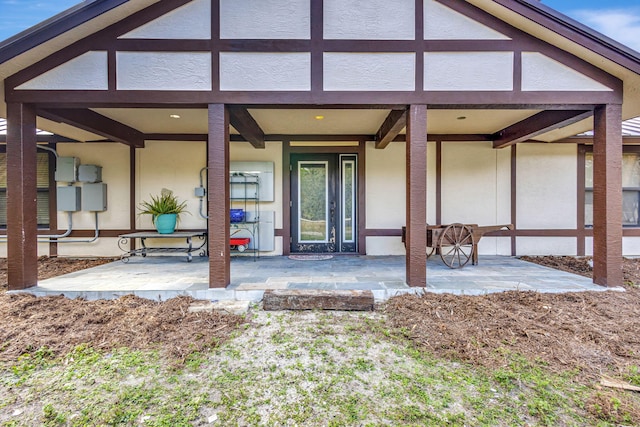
[{"x": 307, "y": 122}]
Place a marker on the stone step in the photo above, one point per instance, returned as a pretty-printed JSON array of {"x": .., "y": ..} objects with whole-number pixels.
[{"x": 316, "y": 299}]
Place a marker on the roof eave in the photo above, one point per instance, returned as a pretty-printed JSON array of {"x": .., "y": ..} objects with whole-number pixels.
[
  {"x": 584, "y": 35},
  {"x": 55, "y": 26}
]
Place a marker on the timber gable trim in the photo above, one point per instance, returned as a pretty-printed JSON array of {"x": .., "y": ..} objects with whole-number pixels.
[{"x": 318, "y": 47}]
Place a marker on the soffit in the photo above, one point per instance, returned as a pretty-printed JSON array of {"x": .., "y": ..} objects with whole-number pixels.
[
  {"x": 304, "y": 121},
  {"x": 631, "y": 106},
  {"x": 65, "y": 39}
]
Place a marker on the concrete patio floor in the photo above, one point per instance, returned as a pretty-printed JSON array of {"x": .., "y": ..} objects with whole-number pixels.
[{"x": 165, "y": 277}]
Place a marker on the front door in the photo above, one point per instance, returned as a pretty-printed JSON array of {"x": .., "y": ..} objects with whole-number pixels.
[{"x": 323, "y": 203}]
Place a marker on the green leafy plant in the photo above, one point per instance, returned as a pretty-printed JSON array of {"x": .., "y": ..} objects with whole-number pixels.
[{"x": 165, "y": 203}]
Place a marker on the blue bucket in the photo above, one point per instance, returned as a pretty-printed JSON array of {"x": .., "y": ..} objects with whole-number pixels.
[{"x": 236, "y": 215}]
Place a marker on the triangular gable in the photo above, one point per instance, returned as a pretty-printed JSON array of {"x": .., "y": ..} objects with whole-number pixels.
[
  {"x": 541, "y": 73},
  {"x": 85, "y": 72},
  {"x": 165, "y": 47},
  {"x": 191, "y": 21},
  {"x": 444, "y": 23}
]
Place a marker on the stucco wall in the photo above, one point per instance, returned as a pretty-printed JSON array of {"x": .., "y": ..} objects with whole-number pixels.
[
  {"x": 114, "y": 159},
  {"x": 546, "y": 186},
  {"x": 476, "y": 189},
  {"x": 386, "y": 201}
]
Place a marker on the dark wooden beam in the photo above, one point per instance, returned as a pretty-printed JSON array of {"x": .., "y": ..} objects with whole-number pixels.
[
  {"x": 243, "y": 122},
  {"x": 392, "y": 126},
  {"x": 416, "y": 211},
  {"x": 22, "y": 224},
  {"x": 537, "y": 124},
  {"x": 218, "y": 196},
  {"x": 607, "y": 196},
  {"x": 96, "y": 123}
]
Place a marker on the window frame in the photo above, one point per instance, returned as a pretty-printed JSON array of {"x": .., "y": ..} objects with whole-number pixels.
[
  {"x": 49, "y": 189},
  {"x": 583, "y": 151}
]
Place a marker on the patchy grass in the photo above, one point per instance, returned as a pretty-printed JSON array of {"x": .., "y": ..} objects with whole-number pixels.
[{"x": 311, "y": 368}]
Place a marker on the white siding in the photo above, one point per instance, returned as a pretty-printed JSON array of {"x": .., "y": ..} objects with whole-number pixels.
[
  {"x": 369, "y": 71},
  {"x": 546, "y": 246},
  {"x": 369, "y": 20},
  {"x": 265, "y": 71},
  {"x": 443, "y": 23},
  {"x": 265, "y": 19},
  {"x": 386, "y": 183},
  {"x": 541, "y": 73},
  {"x": 164, "y": 71},
  {"x": 191, "y": 21},
  {"x": 472, "y": 71},
  {"x": 546, "y": 186},
  {"x": 86, "y": 72}
]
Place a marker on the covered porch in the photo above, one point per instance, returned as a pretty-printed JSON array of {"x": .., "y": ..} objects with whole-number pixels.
[
  {"x": 165, "y": 277},
  {"x": 443, "y": 110}
]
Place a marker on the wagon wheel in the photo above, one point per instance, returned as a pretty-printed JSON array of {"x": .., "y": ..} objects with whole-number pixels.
[
  {"x": 430, "y": 251},
  {"x": 456, "y": 245}
]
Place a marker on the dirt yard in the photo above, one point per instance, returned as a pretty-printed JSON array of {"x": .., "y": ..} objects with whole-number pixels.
[{"x": 593, "y": 334}]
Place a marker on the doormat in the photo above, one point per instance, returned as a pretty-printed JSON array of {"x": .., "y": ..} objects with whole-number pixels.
[{"x": 310, "y": 257}]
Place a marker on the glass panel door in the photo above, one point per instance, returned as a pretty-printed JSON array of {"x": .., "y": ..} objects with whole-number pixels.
[
  {"x": 324, "y": 208},
  {"x": 348, "y": 202},
  {"x": 313, "y": 202}
]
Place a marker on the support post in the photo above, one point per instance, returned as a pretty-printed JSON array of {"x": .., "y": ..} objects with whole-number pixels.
[
  {"x": 218, "y": 196},
  {"x": 22, "y": 222},
  {"x": 416, "y": 239},
  {"x": 607, "y": 195}
]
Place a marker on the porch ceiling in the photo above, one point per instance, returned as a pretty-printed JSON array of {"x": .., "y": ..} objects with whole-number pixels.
[{"x": 305, "y": 121}]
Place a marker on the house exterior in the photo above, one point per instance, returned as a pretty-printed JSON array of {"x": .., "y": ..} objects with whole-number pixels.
[{"x": 371, "y": 115}]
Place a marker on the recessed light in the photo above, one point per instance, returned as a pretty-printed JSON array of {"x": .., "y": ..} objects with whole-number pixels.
[
  {"x": 462, "y": 118},
  {"x": 319, "y": 117},
  {"x": 174, "y": 116}
]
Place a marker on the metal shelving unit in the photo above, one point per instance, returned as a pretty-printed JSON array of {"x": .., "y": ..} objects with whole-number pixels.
[{"x": 245, "y": 194}]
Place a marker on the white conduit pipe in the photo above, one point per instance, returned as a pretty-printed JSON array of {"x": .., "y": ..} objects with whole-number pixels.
[
  {"x": 54, "y": 238},
  {"x": 202, "y": 198}
]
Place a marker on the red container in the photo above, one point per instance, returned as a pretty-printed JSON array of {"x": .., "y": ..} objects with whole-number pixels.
[{"x": 235, "y": 241}]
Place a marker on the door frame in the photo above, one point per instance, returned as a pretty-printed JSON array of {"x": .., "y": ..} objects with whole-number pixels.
[{"x": 322, "y": 147}]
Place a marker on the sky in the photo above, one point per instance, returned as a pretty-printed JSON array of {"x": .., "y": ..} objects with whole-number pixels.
[{"x": 618, "y": 19}]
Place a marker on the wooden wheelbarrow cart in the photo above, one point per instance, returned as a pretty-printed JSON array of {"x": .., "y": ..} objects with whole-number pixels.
[{"x": 456, "y": 243}]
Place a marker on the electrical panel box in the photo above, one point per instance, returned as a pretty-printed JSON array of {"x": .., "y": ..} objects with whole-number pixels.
[
  {"x": 200, "y": 192},
  {"x": 68, "y": 199},
  {"x": 94, "y": 197},
  {"x": 90, "y": 173},
  {"x": 67, "y": 169}
]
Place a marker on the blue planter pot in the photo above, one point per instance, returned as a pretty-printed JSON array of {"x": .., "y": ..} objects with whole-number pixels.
[{"x": 166, "y": 223}]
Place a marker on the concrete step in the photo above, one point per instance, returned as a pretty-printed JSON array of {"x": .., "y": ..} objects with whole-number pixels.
[{"x": 315, "y": 299}]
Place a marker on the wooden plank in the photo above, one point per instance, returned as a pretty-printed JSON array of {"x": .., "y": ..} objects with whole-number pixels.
[
  {"x": 392, "y": 126},
  {"x": 93, "y": 122},
  {"x": 537, "y": 124},
  {"x": 312, "y": 299},
  {"x": 244, "y": 123}
]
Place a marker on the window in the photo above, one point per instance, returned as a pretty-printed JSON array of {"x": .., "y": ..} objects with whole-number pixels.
[
  {"x": 630, "y": 189},
  {"x": 43, "y": 190}
]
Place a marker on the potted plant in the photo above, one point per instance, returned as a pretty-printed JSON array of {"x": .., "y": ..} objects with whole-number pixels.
[{"x": 165, "y": 211}]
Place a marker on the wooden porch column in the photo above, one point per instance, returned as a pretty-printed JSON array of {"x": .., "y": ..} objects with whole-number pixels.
[
  {"x": 607, "y": 196},
  {"x": 416, "y": 239},
  {"x": 22, "y": 222},
  {"x": 218, "y": 196}
]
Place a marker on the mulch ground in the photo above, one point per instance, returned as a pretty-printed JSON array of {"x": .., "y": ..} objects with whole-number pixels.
[
  {"x": 28, "y": 323},
  {"x": 591, "y": 331},
  {"x": 594, "y": 332}
]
